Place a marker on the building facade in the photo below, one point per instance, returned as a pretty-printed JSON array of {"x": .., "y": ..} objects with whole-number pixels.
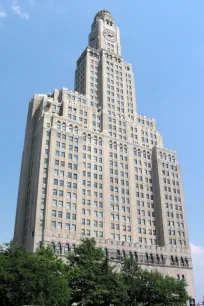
[{"x": 93, "y": 167}]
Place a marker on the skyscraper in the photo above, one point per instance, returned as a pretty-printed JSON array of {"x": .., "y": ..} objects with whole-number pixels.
[{"x": 93, "y": 167}]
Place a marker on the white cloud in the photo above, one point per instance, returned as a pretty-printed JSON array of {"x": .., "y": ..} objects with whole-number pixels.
[
  {"x": 198, "y": 269},
  {"x": 197, "y": 254},
  {"x": 18, "y": 11},
  {"x": 3, "y": 14}
]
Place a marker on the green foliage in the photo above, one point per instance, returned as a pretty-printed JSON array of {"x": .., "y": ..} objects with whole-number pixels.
[
  {"x": 32, "y": 278},
  {"x": 92, "y": 280},
  {"x": 131, "y": 275},
  {"x": 86, "y": 277},
  {"x": 152, "y": 288}
]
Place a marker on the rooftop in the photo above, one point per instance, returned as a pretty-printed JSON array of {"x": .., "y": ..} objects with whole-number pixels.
[{"x": 103, "y": 12}]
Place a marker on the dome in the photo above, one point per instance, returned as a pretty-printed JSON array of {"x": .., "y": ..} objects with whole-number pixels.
[{"x": 103, "y": 12}]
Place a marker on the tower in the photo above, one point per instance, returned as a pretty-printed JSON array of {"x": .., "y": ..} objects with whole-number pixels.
[{"x": 93, "y": 167}]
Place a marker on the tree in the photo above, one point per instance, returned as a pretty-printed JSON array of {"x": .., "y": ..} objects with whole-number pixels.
[
  {"x": 131, "y": 277},
  {"x": 114, "y": 289},
  {"x": 159, "y": 289},
  {"x": 93, "y": 280},
  {"x": 87, "y": 277},
  {"x": 32, "y": 278},
  {"x": 152, "y": 288}
]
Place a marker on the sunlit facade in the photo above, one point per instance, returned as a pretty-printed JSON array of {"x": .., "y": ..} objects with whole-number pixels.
[{"x": 93, "y": 167}]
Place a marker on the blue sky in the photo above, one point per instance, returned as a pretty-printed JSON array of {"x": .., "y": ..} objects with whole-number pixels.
[{"x": 40, "y": 41}]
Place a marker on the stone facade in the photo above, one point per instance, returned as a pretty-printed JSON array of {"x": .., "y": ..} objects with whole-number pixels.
[{"x": 93, "y": 167}]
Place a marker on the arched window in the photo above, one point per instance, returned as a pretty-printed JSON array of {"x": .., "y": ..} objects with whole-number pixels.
[
  {"x": 89, "y": 139},
  {"x": 136, "y": 256},
  {"x": 71, "y": 129},
  {"x": 58, "y": 248},
  {"x": 72, "y": 247},
  {"x": 76, "y": 130},
  {"x": 172, "y": 260},
  {"x": 125, "y": 149},
  {"x": 95, "y": 140},
  {"x": 176, "y": 261},
  {"x": 131, "y": 256},
  {"x": 151, "y": 258},
  {"x": 66, "y": 248},
  {"x": 139, "y": 153},
  {"x": 182, "y": 262},
  {"x": 58, "y": 125},
  {"x": 186, "y": 262},
  {"x": 162, "y": 259},
  {"x": 64, "y": 127},
  {"x": 157, "y": 257},
  {"x": 100, "y": 142},
  {"x": 144, "y": 154},
  {"x": 115, "y": 146},
  {"x": 124, "y": 254},
  {"x": 135, "y": 152},
  {"x": 146, "y": 257},
  {"x": 52, "y": 244}
]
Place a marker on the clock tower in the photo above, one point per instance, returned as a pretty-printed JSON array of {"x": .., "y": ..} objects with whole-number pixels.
[
  {"x": 103, "y": 75},
  {"x": 104, "y": 33}
]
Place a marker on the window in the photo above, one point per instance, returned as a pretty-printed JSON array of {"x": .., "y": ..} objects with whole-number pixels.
[
  {"x": 67, "y": 226},
  {"x": 60, "y": 203},
  {"x": 53, "y": 224},
  {"x": 54, "y": 202},
  {"x": 59, "y": 225},
  {"x": 73, "y": 228},
  {"x": 53, "y": 213}
]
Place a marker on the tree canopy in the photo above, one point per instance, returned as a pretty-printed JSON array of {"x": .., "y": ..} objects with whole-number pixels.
[
  {"x": 92, "y": 279},
  {"x": 38, "y": 278},
  {"x": 86, "y": 277},
  {"x": 152, "y": 288}
]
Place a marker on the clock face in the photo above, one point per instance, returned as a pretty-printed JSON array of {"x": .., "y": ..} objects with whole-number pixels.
[{"x": 109, "y": 35}]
